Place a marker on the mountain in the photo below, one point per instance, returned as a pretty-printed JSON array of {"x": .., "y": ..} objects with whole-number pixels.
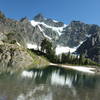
[
  {"x": 14, "y": 36},
  {"x": 50, "y": 28},
  {"x": 91, "y": 47},
  {"x": 77, "y": 36}
]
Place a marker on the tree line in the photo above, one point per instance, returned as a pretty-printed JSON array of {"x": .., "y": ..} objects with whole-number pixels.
[{"x": 68, "y": 58}]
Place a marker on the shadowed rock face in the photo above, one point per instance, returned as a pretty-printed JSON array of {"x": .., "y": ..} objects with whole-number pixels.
[
  {"x": 91, "y": 47},
  {"x": 39, "y": 17}
]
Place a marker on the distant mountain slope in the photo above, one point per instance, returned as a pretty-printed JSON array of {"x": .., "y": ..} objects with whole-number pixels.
[{"x": 91, "y": 47}]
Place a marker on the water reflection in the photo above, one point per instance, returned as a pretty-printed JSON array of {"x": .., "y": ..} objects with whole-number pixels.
[
  {"x": 51, "y": 83},
  {"x": 59, "y": 76}
]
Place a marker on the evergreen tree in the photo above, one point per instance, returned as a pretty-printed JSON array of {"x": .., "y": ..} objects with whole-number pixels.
[
  {"x": 64, "y": 58},
  {"x": 46, "y": 47},
  {"x": 81, "y": 59}
]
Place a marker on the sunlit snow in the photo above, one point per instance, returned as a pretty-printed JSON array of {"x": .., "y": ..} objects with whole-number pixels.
[
  {"x": 66, "y": 49},
  {"x": 88, "y": 35},
  {"x": 33, "y": 46},
  {"x": 62, "y": 49},
  {"x": 57, "y": 29}
]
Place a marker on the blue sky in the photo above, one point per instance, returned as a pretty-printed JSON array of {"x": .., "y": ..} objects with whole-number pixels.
[{"x": 87, "y": 11}]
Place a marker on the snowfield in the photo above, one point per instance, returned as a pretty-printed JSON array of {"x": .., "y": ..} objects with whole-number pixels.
[
  {"x": 57, "y": 29},
  {"x": 66, "y": 49},
  {"x": 62, "y": 49},
  {"x": 58, "y": 50}
]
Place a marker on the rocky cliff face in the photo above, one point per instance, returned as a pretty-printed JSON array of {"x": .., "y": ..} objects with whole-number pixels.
[
  {"x": 14, "y": 36},
  {"x": 13, "y": 58},
  {"x": 91, "y": 47},
  {"x": 76, "y": 32}
]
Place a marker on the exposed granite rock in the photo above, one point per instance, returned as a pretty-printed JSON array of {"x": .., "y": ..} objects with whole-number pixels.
[
  {"x": 13, "y": 58},
  {"x": 3, "y": 37}
]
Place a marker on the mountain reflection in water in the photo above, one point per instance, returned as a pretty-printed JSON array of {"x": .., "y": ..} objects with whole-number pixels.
[{"x": 51, "y": 83}]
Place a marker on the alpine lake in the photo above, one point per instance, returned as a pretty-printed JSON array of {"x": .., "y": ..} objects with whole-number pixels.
[{"x": 50, "y": 83}]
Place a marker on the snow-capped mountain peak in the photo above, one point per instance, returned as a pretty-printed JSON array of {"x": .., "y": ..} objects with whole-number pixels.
[{"x": 59, "y": 30}]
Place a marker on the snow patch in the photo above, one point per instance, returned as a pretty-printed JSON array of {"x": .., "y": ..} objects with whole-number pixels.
[
  {"x": 62, "y": 49},
  {"x": 55, "y": 21},
  {"x": 88, "y": 35},
  {"x": 34, "y": 23},
  {"x": 33, "y": 46},
  {"x": 65, "y": 49}
]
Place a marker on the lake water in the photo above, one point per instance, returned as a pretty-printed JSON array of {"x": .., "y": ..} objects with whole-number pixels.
[{"x": 51, "y": 83}]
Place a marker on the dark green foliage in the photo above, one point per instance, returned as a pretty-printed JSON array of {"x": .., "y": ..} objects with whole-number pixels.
[
  {"x": 81, "y": 59},
  {"x": 13, "y": 42},
  {"x": 47, "y": 48},
  {"x": 64, "y": 58},
  {"x": 76, "y": 60}
]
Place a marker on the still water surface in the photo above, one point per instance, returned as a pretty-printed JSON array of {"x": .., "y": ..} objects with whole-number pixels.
[{"x": 51, "y": 83}]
